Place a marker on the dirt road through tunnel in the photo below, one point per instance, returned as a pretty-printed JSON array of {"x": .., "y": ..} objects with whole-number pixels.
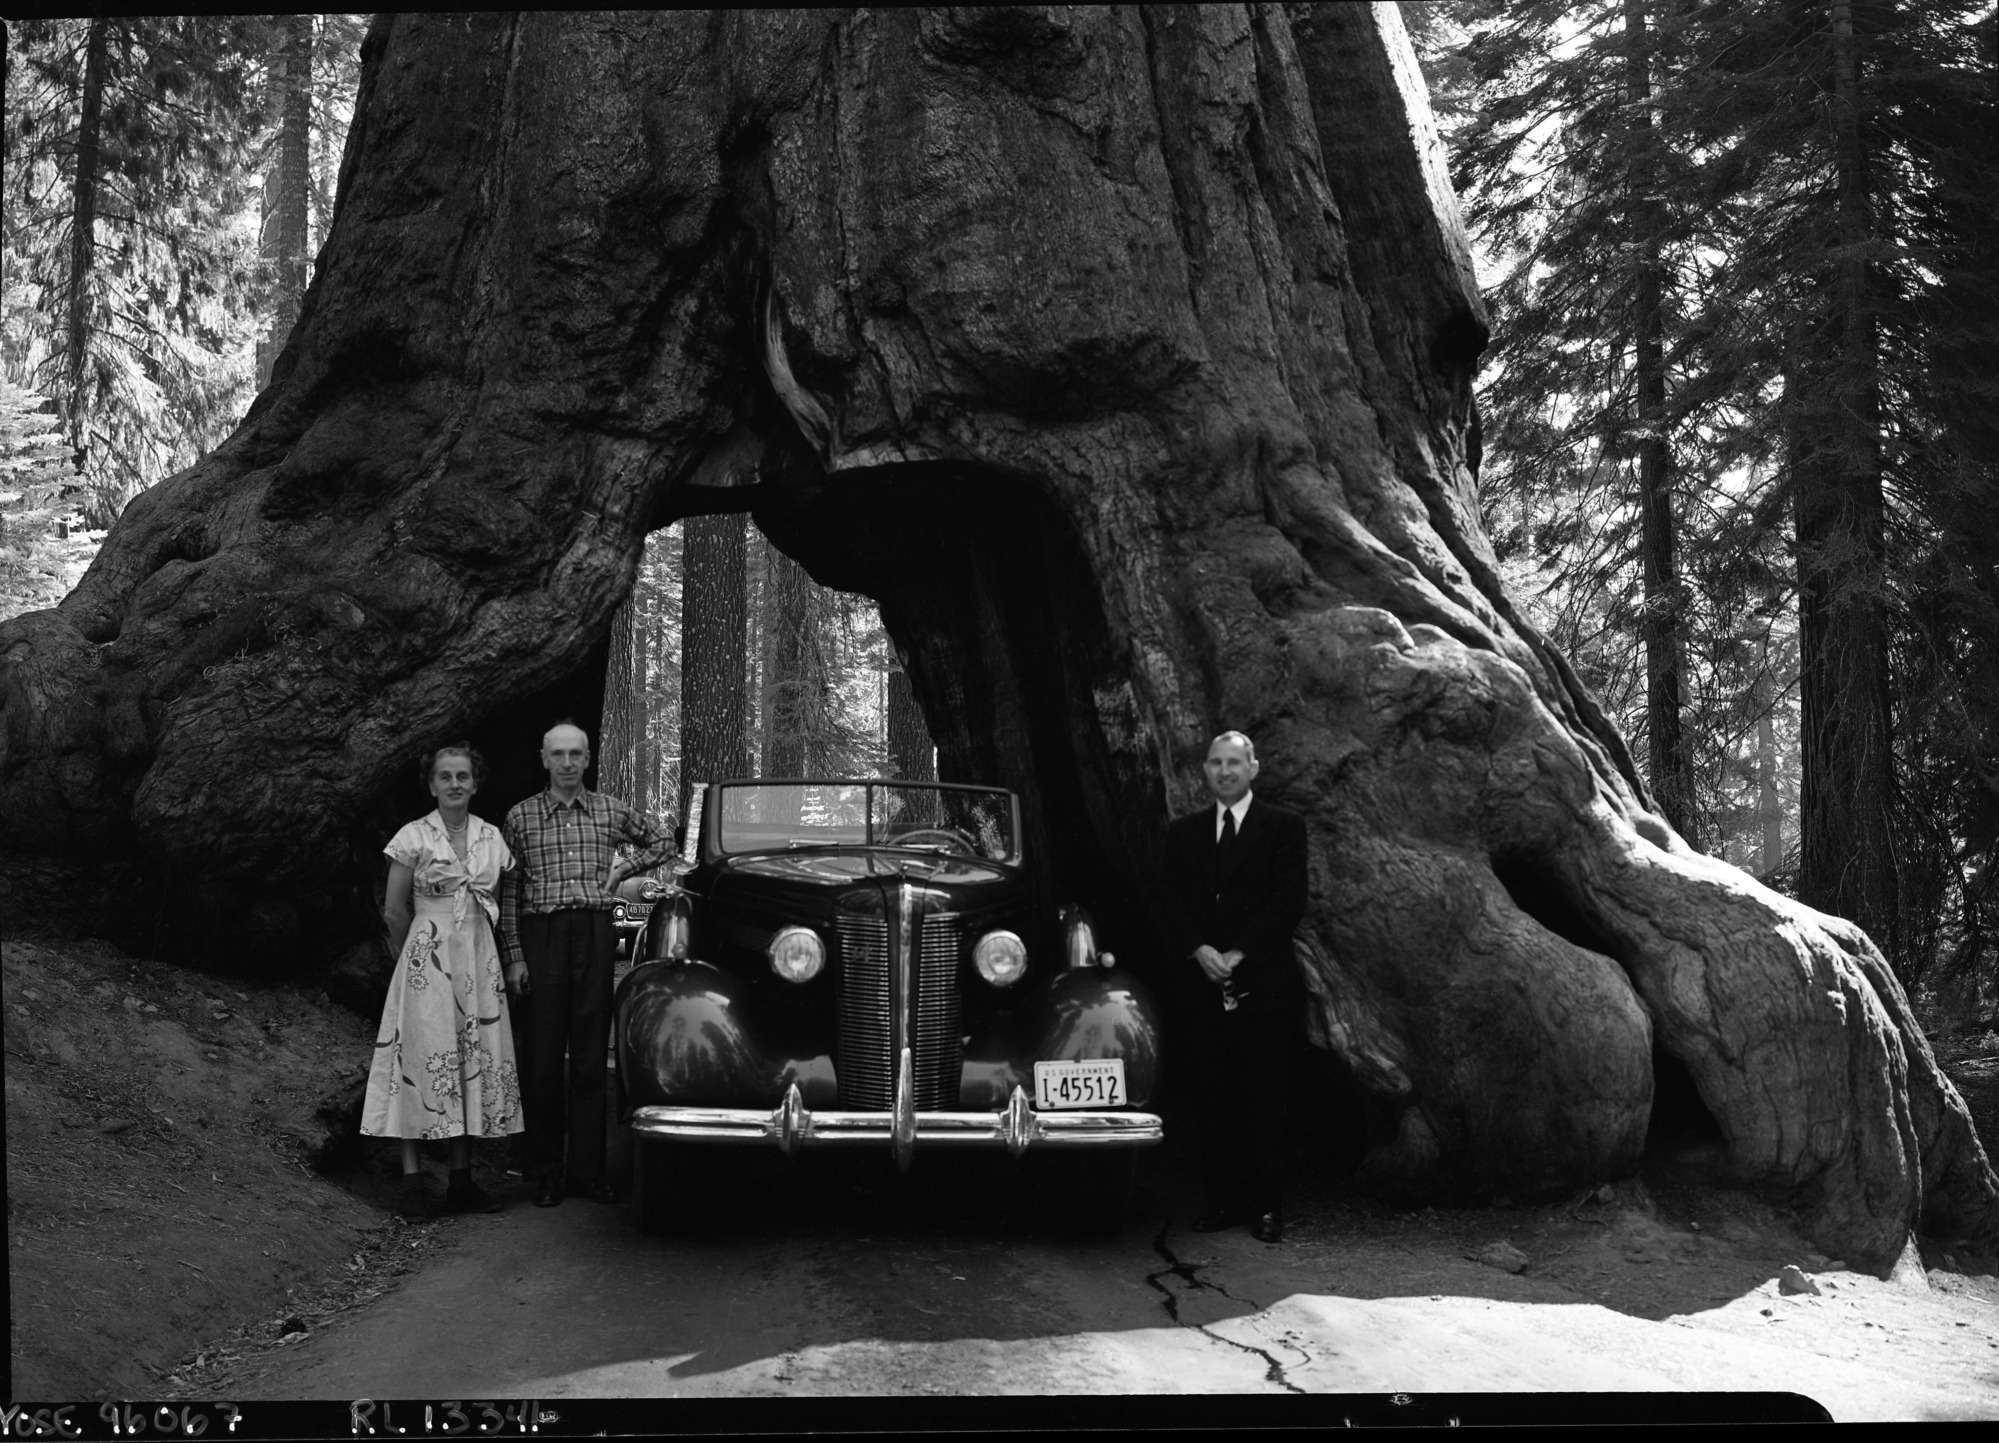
[{"x": 845, "y": 1281}]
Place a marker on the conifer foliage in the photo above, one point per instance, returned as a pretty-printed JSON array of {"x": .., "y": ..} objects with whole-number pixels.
[
  {"x": 1744, "y": 264},
  {"x": 135, "y": 292},
  {"x": 40, "y": 558}
]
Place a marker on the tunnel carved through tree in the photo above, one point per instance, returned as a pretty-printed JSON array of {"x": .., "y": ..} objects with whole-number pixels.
[{"x": 1125, "y": 357}]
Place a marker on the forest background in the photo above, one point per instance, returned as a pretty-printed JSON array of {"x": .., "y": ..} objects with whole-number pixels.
[{"x": 1740, "y": 413}]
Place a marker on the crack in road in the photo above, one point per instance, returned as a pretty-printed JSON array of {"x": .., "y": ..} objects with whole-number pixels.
[{"x": 1273, "y": 1370}]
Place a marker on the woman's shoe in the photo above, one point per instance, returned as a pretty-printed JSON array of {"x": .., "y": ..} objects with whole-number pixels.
[
  {"x": 413, "y": 1199},
  {"x": 466, "y": 1196}
]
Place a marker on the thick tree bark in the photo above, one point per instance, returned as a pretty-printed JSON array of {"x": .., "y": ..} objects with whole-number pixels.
[
  {"x": 1847, "y": 855},
  {"x": 624, "y": 716},
  {"x": 788, "y": 680},
  {"x": 287, "y": 183},
  {"x": 83, "y": 238},
  {"x": 909, "y": 744},
  {"x": 714, "y": 653},
  {"x": 1667, "y": 755},
  {"x": 1125, "y": 358}
]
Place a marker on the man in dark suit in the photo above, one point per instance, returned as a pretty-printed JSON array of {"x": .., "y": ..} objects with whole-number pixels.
[{"x": 1236, "y": 891}]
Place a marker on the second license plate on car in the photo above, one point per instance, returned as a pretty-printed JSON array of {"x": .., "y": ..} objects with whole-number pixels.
[{"x": 1096, "y": 1083}]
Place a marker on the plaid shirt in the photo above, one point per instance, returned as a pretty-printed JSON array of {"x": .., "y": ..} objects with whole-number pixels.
[{"x": 565, "y": 852}]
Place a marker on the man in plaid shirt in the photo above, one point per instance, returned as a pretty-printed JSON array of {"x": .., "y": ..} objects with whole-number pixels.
[{"x": 555, "y": 936}]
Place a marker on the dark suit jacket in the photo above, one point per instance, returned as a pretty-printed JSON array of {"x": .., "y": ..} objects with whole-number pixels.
[{"x": 1255, "y": 908}]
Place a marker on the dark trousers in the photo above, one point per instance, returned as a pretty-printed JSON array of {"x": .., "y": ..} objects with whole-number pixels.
[
  {"x": 1241, "y": 1065},
  {"x": 569, "y": 974}
]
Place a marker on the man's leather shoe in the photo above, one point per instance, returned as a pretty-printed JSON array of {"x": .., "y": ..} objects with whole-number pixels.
[
  {"x": 548, "y": 1192},
  {"x": 1268, "y": 1227},
  {"x": 595, "y": 1188},
  {"x": 1214, "y": 1222}
]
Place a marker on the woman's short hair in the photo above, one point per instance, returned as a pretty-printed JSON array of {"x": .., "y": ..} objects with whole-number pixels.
[{"x": 454, "y": 749}]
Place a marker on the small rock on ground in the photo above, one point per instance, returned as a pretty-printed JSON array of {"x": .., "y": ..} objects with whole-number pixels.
[
  {"x": 1503, "y": 1256},
  {"x": 1792, "y": 1280}
]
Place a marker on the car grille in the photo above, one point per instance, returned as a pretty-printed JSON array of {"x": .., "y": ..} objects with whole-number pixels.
[{"x": 863, "y": 1056}]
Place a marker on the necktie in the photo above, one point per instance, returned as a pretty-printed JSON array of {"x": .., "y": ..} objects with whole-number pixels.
[{"x": 1224, "y": 859}]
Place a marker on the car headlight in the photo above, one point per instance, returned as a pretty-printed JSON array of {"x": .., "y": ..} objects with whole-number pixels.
[
  {"x": 797, "y": 954},
  {"x": 1000, "y": 957}
]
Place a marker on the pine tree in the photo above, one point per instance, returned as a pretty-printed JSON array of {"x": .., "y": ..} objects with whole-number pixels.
[
  {"x": 1824, "y": 218},
  {"x": 135, "y": 295},
  {"x": 1574, "y": 177},
  {"x": 1855, "y": 169},
  {"x": 287, "y": 181},
  {"x": 714, "y": 631},
  {"x": 36, "y": 567},
  {"x": 909, "y": 746},
  {"x": 128, "y": 203},
  {"x": 624, "y": 703}
]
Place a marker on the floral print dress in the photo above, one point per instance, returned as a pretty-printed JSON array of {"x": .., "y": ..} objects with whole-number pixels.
[{"x": 444, "y": 1055}]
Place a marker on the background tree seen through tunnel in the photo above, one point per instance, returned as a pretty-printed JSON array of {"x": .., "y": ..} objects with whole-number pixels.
[{"x": 807, "y": 687}]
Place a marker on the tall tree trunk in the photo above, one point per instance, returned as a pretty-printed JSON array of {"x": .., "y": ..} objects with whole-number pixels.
[
  {"x": 622, "y": 714},
  {"x": 1847, "y": 858},
  {"x": 644, "y": 618},
  {"x": 1211, "y": 468},
  {"x": 1670, "y": 762},
  {"x": 786, "y": 705},
  {"x": 83, "y": 242},
  {"x": 714, "y": 640},
  {"x": 666, "y": 554},
  {"x": 287, "y": 184},
  {"x": 909, "y": 744}
]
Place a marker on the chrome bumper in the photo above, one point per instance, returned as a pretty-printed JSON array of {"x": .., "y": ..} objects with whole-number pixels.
[{"x": 791, "y": 1125}]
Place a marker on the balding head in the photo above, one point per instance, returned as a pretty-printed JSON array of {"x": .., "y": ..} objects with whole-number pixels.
[
  {"x": 1248, "y": 746},
  {"x": 1230, "y": 768},
  {"x": 565, "y": 754}
]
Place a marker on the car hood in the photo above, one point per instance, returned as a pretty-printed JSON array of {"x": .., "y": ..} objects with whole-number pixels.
[{"x": 840, "y": 866}]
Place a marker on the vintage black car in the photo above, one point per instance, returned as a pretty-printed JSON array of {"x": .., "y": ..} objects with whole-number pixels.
[{"x": 855, "y": 964}]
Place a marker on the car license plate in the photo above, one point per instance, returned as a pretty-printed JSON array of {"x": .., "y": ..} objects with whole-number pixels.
[
  {"x": 635, "y": 914},
  {"x": 1096, "y": 1083}
]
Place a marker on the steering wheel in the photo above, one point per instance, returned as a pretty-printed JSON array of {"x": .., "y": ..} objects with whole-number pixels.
[{"x": 949, "y": 838}]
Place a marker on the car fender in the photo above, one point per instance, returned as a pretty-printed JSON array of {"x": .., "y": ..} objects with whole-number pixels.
[
  {"x": 682, "y": 1037},
  {"x": 1094, "y": 1012},
  {"x": 687, "y": 1034}
]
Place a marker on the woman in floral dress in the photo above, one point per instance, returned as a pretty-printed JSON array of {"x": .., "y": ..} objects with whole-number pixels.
[{"x": 444, "y": 1056}]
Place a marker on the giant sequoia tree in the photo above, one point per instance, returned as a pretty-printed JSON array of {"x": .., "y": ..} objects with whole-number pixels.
[{"x": 1124, "y": 357}]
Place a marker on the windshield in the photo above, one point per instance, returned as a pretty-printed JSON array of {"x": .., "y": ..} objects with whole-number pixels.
[{"x": 961, "y": 821}]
